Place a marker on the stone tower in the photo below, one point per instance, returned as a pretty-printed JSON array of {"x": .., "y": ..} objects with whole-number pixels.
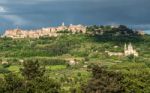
[
  {"x": 128, "y": 50},
  {"x": 63, "y": 24},
  {"x": 125, "y": 47}
]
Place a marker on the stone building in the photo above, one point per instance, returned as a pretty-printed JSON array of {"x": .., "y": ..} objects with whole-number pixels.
[
  {"x": 114, "y": 53},
  {"x": 128, "y": 50},
  {"x": 77, "y": 28}
]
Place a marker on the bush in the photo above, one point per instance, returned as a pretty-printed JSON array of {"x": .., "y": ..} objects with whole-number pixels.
[
  {"x": 2, "y": 85},
  {"x": 131, "y": 58},
  {"x": 13, "y": 84},
  {"x": 14, "y": 61},
  {"x": 136, "y": 77},
  {"x": 32, "y": 69},
  {"x": 46, "y": 85},
  {"x": 4, "y": 71},
  {"x": 33, "y": 81},
  {"x": 104, "y": 81},
  {"x": 53, "y": 61},
  {"x": 79, "y": 53},
  {"x": 86, "y": 59},
  {"x": 6, "y": 65}
]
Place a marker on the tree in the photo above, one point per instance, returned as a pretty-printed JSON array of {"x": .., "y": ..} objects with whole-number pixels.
[
  {"x": 34, "y": 81},
  {"x": 11, "y": 84},
  {"x": 104, "y": 81},
  {"x": 46, "y": 85},
  {"x": 31, "y": 69},
  {"x": 131, "y": 58}
]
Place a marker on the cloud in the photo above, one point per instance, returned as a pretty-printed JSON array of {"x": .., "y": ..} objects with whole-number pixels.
[
  {"x": 49, "y": 12},
  {"x": 2, "y": 9},
  {"x": 14, "y": 19}
]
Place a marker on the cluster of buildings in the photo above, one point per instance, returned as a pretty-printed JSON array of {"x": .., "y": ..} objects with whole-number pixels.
[
  {"x": 50, "y": 31},
  {"x": 128, "y": 50}
]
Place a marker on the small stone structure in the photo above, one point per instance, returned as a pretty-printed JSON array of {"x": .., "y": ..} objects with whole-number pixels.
[
  {"x": 114, "y": 53},
  {"x": 21, "y": 61},
  {"x": 73, "y": 62},
  {"x": 4, "y": 62}
]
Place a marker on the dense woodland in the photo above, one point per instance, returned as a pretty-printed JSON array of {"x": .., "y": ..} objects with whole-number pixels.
[{"x": 42, "y": 65}]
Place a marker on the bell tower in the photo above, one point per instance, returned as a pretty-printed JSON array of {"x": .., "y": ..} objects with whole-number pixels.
[{"x": 63, "y": 24}]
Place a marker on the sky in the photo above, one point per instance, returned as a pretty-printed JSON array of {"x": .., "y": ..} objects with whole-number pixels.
[{"x": 34, "y": 14}]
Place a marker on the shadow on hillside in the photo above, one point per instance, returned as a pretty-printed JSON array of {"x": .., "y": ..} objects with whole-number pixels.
[{"x": 117, "y": 39}]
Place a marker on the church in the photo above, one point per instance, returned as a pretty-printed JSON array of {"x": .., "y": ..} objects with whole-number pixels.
[{"x": 128, "y": 50}]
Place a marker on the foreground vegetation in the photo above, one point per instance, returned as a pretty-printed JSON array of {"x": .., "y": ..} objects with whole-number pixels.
[{"x": 42, "y": 65}]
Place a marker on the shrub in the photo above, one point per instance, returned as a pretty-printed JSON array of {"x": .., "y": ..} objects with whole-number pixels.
[
  {"x": 104, "y": 81},
  {"x": 34, "y": 81},
  {"x": 86, "y": 59},
  {"x": 13, "y": 84},
  {"x": 31, "y": 69},
  {"x": 79, "y": 53},
  {"x": 2, "y": 85},
  {"x": 131, "y": 58},
  {"x": 4, "y": 71},
  {"x": 136, "y": 77},
  {"x": 6, "y": 65}
]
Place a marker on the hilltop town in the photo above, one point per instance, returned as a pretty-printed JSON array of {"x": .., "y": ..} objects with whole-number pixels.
[
  {"x": 50, "y": 31},
  {"x": 73, "y": 29}
]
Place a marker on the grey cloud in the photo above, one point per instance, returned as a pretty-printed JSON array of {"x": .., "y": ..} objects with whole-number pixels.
[{"x": 37, "y": 13}]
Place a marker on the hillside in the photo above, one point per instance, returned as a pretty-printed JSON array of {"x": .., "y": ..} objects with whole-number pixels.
[{"x": 67, "y": 58}]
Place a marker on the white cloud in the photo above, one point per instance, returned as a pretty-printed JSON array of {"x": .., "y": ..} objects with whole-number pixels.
[
  {"x": 2, "y": 9},
  {"x": 15, "y": 19},
  {"x": 38, "y": 1}
]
